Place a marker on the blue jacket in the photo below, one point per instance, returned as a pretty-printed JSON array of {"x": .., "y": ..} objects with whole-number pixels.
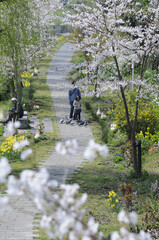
[
  {"x": 73, "y": 93},
  {"x": 21, "y": 112}
]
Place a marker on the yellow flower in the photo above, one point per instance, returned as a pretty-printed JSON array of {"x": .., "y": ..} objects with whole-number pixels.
[
  {"x": 112, "y": 205},
  {"x": 117, "y": 200}
]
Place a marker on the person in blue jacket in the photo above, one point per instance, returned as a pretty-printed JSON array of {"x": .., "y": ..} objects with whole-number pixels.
[{"x": 72, "y": 94}]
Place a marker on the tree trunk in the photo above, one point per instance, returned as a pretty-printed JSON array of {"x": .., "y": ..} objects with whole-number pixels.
[
  {"x": 131, "y": 127},
  {"x": 12, "y": 88},
  {"x": 139, "y": 165},
  {"x": 134, "y": 152},
  {"x": 96, "y": 78}
]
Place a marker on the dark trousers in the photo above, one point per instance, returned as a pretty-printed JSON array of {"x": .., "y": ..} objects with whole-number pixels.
[
  {"x": 77, "y": 114},
  {"x": 12, "y": 116},
  {"x": 71, "y": 110}
]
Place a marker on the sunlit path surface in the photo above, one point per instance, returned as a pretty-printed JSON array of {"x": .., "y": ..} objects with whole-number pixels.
[{"x": 58, "y": 166}]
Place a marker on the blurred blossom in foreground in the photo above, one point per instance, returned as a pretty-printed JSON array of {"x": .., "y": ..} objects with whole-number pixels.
[
  {"x": 69, "y": 147},
  {"x": 130, "y": 219},
  {"x": 93, "y": 149},
  {"x": 61, "y": 206},
  {"x": 26, "y": 153},
  {"x": 5, "y": 169},
  {"x": 12, "y": 126},
  {"x": 4, "y": 201},
  {"x": 22, "y": 144}
]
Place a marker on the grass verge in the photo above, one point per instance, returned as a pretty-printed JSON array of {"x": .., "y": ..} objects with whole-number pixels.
[{"x": 101, "y": 176}]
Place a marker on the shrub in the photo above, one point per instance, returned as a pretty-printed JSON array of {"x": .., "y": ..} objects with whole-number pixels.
[
  {"x": 148, "y": 116},
  {"x": 127, "y": 191},
  {"x": 4, "y": 88},
  {"x": 146, "y": 139}
]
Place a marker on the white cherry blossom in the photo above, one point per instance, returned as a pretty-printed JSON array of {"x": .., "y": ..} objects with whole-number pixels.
[
  {"x": 93, "y": 149},
  {"x": 5, "y": 169},
  {"x": 69, "y": 147}
]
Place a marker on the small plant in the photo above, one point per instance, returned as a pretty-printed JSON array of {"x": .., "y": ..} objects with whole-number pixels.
[
  {"x": 39, "y": 136},
  {"x": 110, "y": 114},
  {"x": 154, "y": 191},
  {"x": 146, "y": 140},
  {"x": 113, "y": 201},
  {"x": 127, "y": 191},
  {"x": 118, "y": 157},
  {"x": 7, "y": 148},
  {"x": 41, "y": 128}
]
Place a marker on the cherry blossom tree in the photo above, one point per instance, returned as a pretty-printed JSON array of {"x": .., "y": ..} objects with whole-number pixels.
[
  {"x": 25, "y": 28},
  {"x": 114, "y": 33}
]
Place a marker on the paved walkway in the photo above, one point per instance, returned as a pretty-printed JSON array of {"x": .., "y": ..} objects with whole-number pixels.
[
  {"x": 17, "y": 224},
  {"x": 60, "y": 166}
]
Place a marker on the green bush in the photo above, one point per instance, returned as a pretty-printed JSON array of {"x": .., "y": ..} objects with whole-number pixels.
[
  {"x": 147, "y": 140},
  {"x": 148, "y": 115},
  {"x": 4, "y": 88}
]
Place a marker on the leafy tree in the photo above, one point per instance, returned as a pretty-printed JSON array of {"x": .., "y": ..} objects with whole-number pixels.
[{"x": 25, "y": 29}]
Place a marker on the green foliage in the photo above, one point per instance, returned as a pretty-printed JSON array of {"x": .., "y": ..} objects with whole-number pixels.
[
  {"x": 78, "y": 57},
  {"x": 113, "y": 201},
  {"x": 147, "y": 141},
  {"x": 4, "y": 88},
  {"x": 151, "y": 75},
  {"x": 117, "y": 157},
  {"x": 102, "y": 123},
  {"x": 117, "y": 138},
  {"x": 40, "y": 138},
  {"x": 149, "y": 209},
  {"x": 27, "y": 97},
  {"x": 1, "y": 130},
  {"x": 148, "y": 115}
]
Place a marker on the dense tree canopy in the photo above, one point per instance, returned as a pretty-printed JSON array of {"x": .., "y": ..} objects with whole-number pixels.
[{"x": 25, "y": 27}]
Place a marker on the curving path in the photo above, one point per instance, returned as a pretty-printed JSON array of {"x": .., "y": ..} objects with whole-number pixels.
[
  {"x": 17, "y": 223},
  {"x": 60, "y": 166}
]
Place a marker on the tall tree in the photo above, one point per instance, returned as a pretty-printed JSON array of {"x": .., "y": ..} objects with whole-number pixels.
[
  {"x": 123, "y": 31},
  {"x": 25, "y": 28}
]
